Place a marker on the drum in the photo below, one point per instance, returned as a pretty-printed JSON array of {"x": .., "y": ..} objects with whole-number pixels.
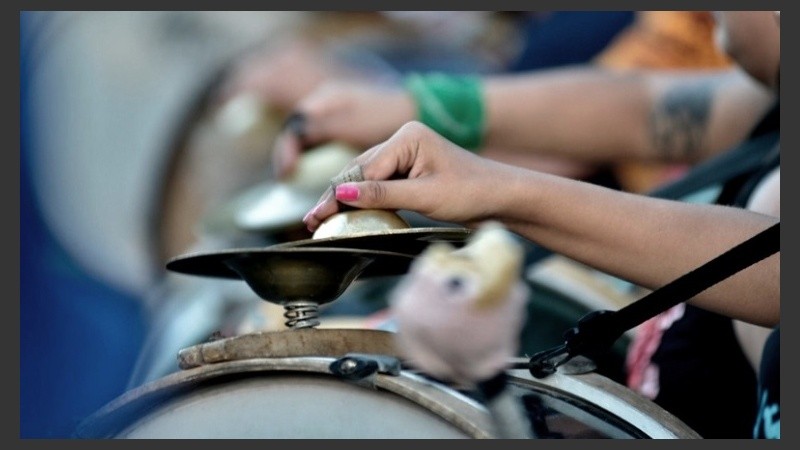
[{"x": 292, "y": 384}]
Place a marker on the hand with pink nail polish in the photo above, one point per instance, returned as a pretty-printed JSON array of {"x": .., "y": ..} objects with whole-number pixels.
[
  {"x": 418, "y": 170},
  {"x": 615, "y": 232}
]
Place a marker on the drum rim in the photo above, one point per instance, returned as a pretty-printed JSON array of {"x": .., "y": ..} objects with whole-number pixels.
[
  {"x": 620, "y": 402},
  {"x": 436, "y": 398}
]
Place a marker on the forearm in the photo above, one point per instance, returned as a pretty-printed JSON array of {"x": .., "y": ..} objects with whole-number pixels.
[
  {"x": 596, "y": 115},
  {"x": 567, "y": 112},
  {"x": 646, "y": 241}
]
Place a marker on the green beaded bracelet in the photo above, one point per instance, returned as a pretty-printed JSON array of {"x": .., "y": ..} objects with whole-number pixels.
[{"x": 452, "y": 105}]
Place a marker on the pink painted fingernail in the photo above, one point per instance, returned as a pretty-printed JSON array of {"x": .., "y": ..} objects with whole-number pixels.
[{"x": 347, "y": 192}]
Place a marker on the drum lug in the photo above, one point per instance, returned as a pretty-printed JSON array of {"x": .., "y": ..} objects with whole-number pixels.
[{"x": 357, "y": 366}]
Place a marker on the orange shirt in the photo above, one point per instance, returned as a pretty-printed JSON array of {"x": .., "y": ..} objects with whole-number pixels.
[{"x": 666, "y": 39}]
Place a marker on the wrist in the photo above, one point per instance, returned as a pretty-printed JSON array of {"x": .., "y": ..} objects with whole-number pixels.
[
  {"x": 519, "y": 203},
  {"x": 404, "y": 110}
]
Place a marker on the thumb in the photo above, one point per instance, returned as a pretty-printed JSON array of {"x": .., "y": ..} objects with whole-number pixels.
[{"x": 385, "y": 194}]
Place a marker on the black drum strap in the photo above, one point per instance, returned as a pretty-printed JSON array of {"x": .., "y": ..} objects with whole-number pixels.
[{"x": 596, "y": 332}]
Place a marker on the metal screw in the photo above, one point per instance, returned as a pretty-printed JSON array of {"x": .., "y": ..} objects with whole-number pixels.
[{"x": 348, "y": 366}]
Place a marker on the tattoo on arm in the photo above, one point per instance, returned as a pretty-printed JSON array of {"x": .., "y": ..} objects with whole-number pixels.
[{"x": 679, "y": 121}]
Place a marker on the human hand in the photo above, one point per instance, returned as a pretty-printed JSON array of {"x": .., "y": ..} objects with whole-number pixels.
[
  {"x": 357, "y": 114},
  {"x": 418, "y": 170},
  {"x": 279, "y": 75}
]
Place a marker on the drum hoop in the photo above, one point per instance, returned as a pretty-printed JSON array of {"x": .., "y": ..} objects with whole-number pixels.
[
  {"x": 612, "y": 398},
  {"x": 454, "y": 407},
  {"x": 313, "y": 350}
]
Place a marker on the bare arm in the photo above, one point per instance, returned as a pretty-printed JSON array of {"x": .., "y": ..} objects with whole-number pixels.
[
  {"x": 582, "y": 114},
  {"x": 766, "y": 199},
  {"x": 598, "y": 115},
  {"x": 647, "y": 241},
  {"x": 644, "y": 240}
]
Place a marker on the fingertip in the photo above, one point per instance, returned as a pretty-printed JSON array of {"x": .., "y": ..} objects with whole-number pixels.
[
  {"x": 310, "y": 214},
  {"x": 311, "y": 227},
  {"x": 324, "y": 209},
  {"x": 311, "y": 223}
]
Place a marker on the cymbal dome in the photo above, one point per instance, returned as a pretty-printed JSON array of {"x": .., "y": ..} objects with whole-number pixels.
[{"x": 359, "y": 221}]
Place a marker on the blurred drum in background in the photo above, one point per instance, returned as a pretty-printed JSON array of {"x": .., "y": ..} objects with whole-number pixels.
[{"x": 100, "y": 94}]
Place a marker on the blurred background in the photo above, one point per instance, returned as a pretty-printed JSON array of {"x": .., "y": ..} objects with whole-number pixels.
[
  {"x": 103, "y": 98},
  {"x": 143, "y": 132}
]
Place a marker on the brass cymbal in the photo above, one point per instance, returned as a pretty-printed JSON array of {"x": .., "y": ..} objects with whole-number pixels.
[
  {"x": 282, "y": 275},
  {"x": 408, "y": 241},
  {"x": 278, "y": 204},
  {"x": 272, "y": 206},
  {"x": 354, "y": 221}
]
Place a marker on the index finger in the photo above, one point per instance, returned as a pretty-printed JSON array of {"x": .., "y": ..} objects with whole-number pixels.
[
  {"x": 384, "y": 161},
  {"x": 327, "y": 204},
  {"x": 325, "y": 207}
]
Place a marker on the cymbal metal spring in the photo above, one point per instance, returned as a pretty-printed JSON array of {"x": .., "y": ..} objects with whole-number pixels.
[{"x": 301, "y": 314}]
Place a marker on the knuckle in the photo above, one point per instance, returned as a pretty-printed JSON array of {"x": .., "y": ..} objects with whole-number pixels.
[
  {"x": 376, "y": 192},
  {"x": 414, "y": 129}
]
